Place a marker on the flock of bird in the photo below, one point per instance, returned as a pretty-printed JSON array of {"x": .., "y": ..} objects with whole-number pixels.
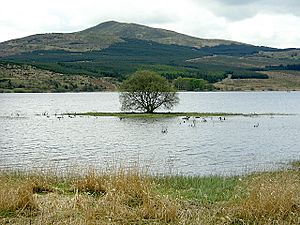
[
  {"x": 59, "y": 116},
  {"x": 193, "y": 120},
  {"x": 164, "y": 130}
]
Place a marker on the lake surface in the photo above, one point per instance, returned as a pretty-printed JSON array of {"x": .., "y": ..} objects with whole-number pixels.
[{"x": 232, "y": 146}]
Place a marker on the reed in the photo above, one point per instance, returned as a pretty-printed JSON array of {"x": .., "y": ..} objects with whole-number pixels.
[
  {"x": 129, "y": 196},
  {"x": 271, "y": 197},
  {"x": 16, "y": 195}
]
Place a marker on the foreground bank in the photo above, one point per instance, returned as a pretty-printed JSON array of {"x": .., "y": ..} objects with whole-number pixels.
[{"x": 122, "y": 196}]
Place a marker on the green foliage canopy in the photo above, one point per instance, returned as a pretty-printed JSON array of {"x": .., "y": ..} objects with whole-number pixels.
[
  {"x": 147, "y": 91},
  {"x": 190, "y": 84}
]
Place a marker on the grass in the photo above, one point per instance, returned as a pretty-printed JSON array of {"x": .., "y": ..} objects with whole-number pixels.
[
  {"x": 167, "y": 114},
  {"x": 278, "y": 81},
  {"x": 296, "y": 164},
  {"x": 131, "y": 197},
  {"x": 198, "y": 189}
]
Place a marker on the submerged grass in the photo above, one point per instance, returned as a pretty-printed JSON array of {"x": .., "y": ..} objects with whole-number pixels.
[{"x": 132, "y": 197}]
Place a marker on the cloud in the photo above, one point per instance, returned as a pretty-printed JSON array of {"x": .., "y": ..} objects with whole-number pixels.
[
  {"x": 237, "y": 2},
  {"x": 235, "y": 10},
  {"x": 266, "y": 30},
  {"x": 240, "y": 20}
]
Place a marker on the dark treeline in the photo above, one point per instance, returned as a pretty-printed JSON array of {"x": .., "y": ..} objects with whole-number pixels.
[
  {"x": 248, "y": 75},
  {"x": 285, "y": 67},
  {"x": 192, "y": 84},
  {"x": 124, "y": 58}
]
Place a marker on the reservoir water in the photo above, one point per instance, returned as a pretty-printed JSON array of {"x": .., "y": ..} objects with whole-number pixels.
[{"x": 30, "y": 140}]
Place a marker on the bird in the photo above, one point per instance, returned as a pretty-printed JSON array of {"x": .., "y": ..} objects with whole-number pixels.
[
  {"x": 194, "y": 123},
  {"x": 186, "y": 118},
  {"x": 164, "y": 130},
  {"x": 60, "y": 117}
]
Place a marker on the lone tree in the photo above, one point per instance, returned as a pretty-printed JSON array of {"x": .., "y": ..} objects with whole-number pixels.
[{"x": 146, "y": 91}]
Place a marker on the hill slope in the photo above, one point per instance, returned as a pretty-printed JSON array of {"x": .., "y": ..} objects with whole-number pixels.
[
  {"x": 26, "y": 78},
  {"x": 102, "y": 36},
  {"x": 113, "y": 49}
]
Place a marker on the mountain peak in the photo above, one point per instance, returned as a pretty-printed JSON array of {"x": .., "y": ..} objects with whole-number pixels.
[
  {"x": 103, "y": 25},
  {"x": 142, "y": 32}
]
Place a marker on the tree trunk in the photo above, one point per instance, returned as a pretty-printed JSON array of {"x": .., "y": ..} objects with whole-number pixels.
[{"x": 149, "y": 110}]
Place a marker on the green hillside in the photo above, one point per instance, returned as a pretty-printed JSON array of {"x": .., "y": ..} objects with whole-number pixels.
[
  {"x": 124, "y": 58},
  {"x": 117, "y": 50},
  {"x": 26, "y": 78},
  {"x": 101, "y": 37}
]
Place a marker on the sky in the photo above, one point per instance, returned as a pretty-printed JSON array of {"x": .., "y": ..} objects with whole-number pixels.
[{"x": 273, "y": 23}]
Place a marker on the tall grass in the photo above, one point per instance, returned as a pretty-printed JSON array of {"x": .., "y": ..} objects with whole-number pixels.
[
  {"x": 128, "y": 196},
  {"x": 122, "y": 197},
  {"x": 15, "y": 195},
  {"x": 271, "y": 197}
]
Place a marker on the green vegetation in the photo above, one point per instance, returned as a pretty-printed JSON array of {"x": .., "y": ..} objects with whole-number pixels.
[
  {"x": 296, "y": 164},
  {"x": 170, "y": 61},
  {"x": 124, "y": 58},
  {"x": 205, "y": 190},
  {"x": 24, "y": 78},
  {"x": 278, "y": 81},
  {"x": 101, "y": 37},
  {"x": 248, "y": 75},
  {"x": 129, "y": 196},
  {"x": 192, "y": 84},
  {"x": 167, "y": 114},
  {"x": 293, "y": 54},
  {"x": 117, "y": 50},
  {"x": 121, "y": 60},
  {"x": 287, "y": 67},
  {"x": 147, "y": 91}
]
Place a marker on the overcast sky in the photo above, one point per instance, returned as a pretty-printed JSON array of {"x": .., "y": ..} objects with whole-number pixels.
[{"x": 274, "y": 23}]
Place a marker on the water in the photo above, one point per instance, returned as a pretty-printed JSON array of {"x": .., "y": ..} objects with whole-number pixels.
[{"x": 29, "y": 140}]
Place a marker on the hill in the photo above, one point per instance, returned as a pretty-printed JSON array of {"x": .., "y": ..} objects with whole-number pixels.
[
  {"x": 113, "y": 49},
  {"x": 26, "y": 78},
  {"x": 102, "y": 36}
]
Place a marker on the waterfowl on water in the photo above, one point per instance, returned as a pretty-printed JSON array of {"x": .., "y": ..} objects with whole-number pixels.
[{"x": 164, "y": 130}]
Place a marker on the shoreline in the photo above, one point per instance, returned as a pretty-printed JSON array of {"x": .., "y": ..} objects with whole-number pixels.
[
  {"x": 128, "y": 196},
  {"x": 187, "y": 115}
]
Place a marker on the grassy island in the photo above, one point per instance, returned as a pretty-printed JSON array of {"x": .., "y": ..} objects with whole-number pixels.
[
  {"x": 168, "y": 114},
  {"x": 131, "y": 197}
]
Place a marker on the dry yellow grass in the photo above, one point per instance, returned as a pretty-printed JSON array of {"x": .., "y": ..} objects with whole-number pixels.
[
  {"x": 125, "y": 197},
  {"x": 15, "y": 195},
  {"x": 278, "y": 81},
  {"x": 270, "y": 198},
  {"x": 130, "y": 197}
]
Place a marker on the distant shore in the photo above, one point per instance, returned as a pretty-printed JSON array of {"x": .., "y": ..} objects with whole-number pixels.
[{"x": 127, "y": 196}]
